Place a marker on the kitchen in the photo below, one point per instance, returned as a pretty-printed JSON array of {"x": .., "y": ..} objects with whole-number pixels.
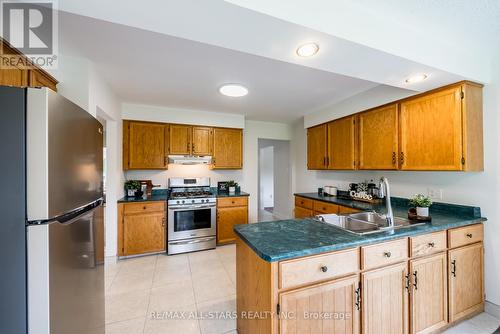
[{"x": 367, "y": 121}]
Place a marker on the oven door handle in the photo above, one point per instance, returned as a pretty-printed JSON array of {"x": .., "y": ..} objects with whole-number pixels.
[
  {"x": 189, "y": 242},
  {"x": 187, "y": 208}
]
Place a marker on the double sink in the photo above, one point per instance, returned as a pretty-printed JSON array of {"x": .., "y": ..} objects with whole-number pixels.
[{"x": 362, "y": 223}]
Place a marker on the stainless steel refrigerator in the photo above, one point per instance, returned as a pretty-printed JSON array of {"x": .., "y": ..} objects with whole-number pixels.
[{"x": 51, "y": 230}]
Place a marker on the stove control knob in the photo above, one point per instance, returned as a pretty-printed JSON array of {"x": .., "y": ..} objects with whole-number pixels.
[
  {"x": 178, "y": 202},
  {"x": 183, "y": 201},
  {"x": 192, "y": 201}
]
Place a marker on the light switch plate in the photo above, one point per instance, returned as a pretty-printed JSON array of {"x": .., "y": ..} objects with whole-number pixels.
[{"x": 435, "y": 193}]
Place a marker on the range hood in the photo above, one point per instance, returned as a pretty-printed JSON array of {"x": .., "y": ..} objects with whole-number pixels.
[{"x": 190, "y": 160}]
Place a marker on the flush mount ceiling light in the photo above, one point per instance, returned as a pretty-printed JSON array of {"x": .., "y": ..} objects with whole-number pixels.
[
  {"x": 416, "y": 78},
  {"x": 233, "y": 90},
  {"x": 307, "y": 50}
]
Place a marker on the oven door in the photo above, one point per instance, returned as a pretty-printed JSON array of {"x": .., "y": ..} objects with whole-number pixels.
[{"x": 185, "y": 222}]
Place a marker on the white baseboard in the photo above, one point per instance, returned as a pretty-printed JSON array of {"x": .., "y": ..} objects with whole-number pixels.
[{"x": 492, "y": 309}]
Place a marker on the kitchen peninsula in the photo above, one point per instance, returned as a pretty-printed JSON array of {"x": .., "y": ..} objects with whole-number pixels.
[{"x": 317, "y": 277}]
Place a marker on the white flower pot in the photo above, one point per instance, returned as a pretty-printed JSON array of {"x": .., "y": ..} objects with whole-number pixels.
[
  {"x": 232, "y": 190},
  {"x": 422, "y": 212}
]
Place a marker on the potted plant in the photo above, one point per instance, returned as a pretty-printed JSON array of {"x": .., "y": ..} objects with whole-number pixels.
[
  {"x": 232, "y": 186},
  {"x": 422, "y": 204},
  {"x": 131, "y": 187}
]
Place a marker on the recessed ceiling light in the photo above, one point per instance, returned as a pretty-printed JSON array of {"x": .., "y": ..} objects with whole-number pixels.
[
  {"x": 416, "y": 78},
  {"x": 307, "y": 50},
  {"x": 233, "y": 90}
]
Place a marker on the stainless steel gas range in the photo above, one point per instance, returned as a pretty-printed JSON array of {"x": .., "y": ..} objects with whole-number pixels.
[{"x": 191, "y": 215}]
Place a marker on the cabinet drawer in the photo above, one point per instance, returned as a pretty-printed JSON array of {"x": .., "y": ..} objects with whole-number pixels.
[
  {"x": 465, "y": 235},
  {"x": 346, "y": 209},
  {"x": 322, "y": 207},
  {"x": 131, "y": 208},
  {"x": 383, "y": 254},
  {"x": 304, "y": 202},
  {"x": 427, "y": 244},
  {"x": 232, "y": 201},
  {"x": 300, "y": 212},
  {"x": 318, "y": 268}
]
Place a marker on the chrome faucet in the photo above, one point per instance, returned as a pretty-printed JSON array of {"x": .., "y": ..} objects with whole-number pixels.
[{"x": 385, "y": 191}]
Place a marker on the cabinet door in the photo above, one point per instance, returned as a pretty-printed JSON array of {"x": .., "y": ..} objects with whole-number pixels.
[
  {"x": 14, "y": 77},
  {"x": 180, "y": 139},
  {"x": 144, "y": 233},
  {"x": 385, "y": 300},
  {"x": 429, "y": 297},
  {"x": 431, "y": 131},
  {"x": 323, "y": 308},
  {"x": 341, "y": 144},
  {"x": 466, "y": 280},
  {"x": 303, "y": 213},
  {"x": 202, "y": 141},
  {"x": 226, "y": 219},
  {"x": 228, "y": 148},
  {"x": 378, "y": 138},
  {"x": 147, "y": 147},
  {"x": 317, "y": 147}
]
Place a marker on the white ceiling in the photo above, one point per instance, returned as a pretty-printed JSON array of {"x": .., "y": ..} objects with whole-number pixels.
[
  {"x": 176, "y": 53},
  {"x": 150, "y": 68}
]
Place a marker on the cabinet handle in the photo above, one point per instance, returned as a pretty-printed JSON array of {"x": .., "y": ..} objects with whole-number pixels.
[
  {"x": 192, "y": 147},
  {"x": 402, "y": 158},
  {"x": 469, "y": 235},
  {"x": 454, "y": 268},
  {"x": 431, "y": 244},
  {"x": 387, "y": 254},
  {"x": 358, "y": 297},
  {"x": 163, "y": 221},
  {"x": 324, "y": 269},
  {"x": 144, "y": 207},
  {"x": 407, "y": 285},
  {"x": 394, "y": 158},
  {"x": 415, "y": 279}
]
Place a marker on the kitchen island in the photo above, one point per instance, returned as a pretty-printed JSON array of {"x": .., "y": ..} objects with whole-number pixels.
[{"x": 319, "y": 277}]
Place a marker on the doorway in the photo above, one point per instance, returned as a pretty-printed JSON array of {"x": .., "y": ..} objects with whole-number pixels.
[{"x": 274, "y": 180}]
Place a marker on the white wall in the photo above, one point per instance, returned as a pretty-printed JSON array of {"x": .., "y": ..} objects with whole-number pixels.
[
  {"x": 181, "y": 116},
  {"x": 479, "y": 189},
  {"x": 266, "y": 176}
]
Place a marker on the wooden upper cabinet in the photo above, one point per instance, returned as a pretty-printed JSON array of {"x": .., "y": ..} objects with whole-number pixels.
[
  {"x": 342, "y": 144},
  {"x": 227, "y": 148},
  {"x": 338, "y": 297},
  {"x": 202, "y": 140},
  {"x": 466, "y": 280},
  {"x": 385, "y": 300},
  {"x": 23, "y": 76},
  {"x": 180, "y": 139},
  {"x": 145, "y": 145},
  {"x": 317, "y": 147},
  {"x": 429, "y": 294},
  {"x": 378, "y": 138}
]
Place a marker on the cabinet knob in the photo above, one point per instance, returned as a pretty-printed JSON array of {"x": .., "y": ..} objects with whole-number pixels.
[
  {"x": 324, "y": 269},
  {"x": 387, "y": 254},
  {"x": 469, "y": 235},
  {"x": 232, "y": 202},
  {"x": 144, "y": 207},
  {"x": 431, "y": 244}
]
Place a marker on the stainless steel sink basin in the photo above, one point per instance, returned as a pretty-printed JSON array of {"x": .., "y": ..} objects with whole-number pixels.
[{"x": 362, "y": 223}]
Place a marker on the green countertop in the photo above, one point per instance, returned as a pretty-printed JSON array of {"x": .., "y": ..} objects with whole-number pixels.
[{"x": 287, "y": 239}]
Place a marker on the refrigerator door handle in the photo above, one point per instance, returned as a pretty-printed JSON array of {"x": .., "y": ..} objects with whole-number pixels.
[{"x": 68, "y": 217}]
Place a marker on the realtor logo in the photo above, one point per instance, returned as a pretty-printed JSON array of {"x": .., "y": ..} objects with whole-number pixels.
[{"x": 31, "y": 28}]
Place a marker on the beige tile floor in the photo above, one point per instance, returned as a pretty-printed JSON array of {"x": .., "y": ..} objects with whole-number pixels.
[{"x": 192, "y": 283}]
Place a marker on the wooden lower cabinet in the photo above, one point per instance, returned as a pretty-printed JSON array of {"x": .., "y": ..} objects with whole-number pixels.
[
  {"x": 330, "y": 307},
  {"x": 230, "y": 211},
  {"x": 303, "y": 213},
  {"x": 141, "y": 232},
  {"x": 385, "y": 300},
  {"x": 306, "y": 208},
  {"x": 429, "y": 294},
  {"x": 466, "y": 280},
  {"x": 337, "y": 292}
]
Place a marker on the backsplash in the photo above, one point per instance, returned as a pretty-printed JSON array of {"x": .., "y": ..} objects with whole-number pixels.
[{"x": 160, "y": 177}]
